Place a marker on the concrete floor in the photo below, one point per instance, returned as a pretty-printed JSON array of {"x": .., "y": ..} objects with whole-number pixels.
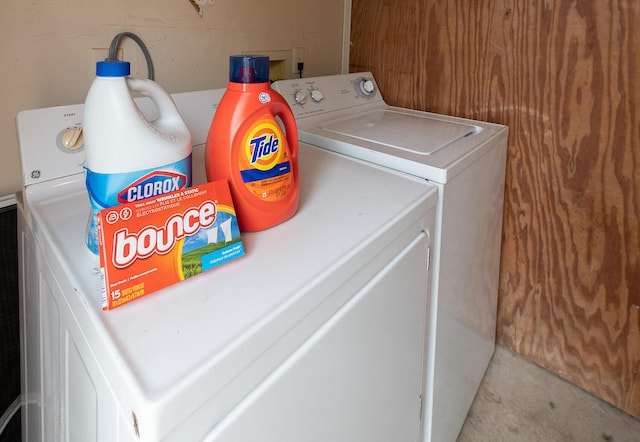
[{"x": 519, "y": 401}]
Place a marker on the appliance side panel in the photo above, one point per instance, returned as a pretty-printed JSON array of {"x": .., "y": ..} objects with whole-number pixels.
[
  {"x": 65, "y": 393},
  {"x": 29, "y": 333},
  {"x": 40, "y": 325},
  {"x": 50, "y": 362},
  {"x": 468, "y": 287},
  {"x": 90, "y": 411}
]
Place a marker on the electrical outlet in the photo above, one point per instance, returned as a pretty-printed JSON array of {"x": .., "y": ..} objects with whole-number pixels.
[{"x": 297, "y": 56}]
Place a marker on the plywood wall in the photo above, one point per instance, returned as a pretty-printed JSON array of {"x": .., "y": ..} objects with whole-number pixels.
[{"x": 565, "y": 76}]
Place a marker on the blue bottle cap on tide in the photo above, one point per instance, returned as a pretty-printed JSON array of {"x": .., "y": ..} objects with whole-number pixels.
[
  {"x": 113, "y": 68},
  {"x": 249, "y": 69}
]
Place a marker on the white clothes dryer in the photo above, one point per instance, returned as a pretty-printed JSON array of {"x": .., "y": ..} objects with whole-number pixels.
[
  {"x": 465, "y": 160},
  {"x": 297, "y": 340}
]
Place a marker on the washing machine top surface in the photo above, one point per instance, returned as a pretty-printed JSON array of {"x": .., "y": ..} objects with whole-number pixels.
[
  {"x": 348, "y": 213},
  {"x": 347, "y": 114}
]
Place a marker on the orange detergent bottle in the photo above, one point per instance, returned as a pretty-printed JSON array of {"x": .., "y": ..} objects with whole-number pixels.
[{"x": 248, "y": 147}]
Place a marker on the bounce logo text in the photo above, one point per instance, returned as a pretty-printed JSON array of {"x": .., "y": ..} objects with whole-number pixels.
[{"x": 127, "y": 247}]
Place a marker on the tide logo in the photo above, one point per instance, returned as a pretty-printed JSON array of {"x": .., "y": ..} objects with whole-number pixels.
[
  {"x": 263, "y": 146},
  {"x": 153, "y": 184}
]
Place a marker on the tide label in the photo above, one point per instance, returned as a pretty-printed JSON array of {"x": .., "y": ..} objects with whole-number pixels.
[
  {"x": 149, "y": 244},
  {"x": 265, "y": 160}
]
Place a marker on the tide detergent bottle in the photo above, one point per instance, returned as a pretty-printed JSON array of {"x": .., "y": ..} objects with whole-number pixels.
[
  {"x": 129, "y": 158},
  {"x": 247, "y": 146}
]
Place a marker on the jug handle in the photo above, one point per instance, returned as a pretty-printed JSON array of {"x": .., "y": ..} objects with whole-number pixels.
[
  {"x": 282, "y": 110},
  {"x": 166, "y": 107}
]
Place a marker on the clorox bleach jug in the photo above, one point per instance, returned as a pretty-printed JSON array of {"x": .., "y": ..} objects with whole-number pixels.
[
  {"x": 129, "y": 158},
  {"x": 247, "y": 146}
]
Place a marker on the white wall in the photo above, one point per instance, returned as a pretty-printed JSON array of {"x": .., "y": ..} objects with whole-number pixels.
[{"x": 47, "y": 58}]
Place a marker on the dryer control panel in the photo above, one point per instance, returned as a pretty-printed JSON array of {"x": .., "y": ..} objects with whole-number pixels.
[{"x": 317, "y": 95}]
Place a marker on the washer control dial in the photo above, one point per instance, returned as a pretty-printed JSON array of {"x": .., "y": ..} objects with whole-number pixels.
[
  {"x": 71, "y": 139},
  {"x": 300, "y": 97},
  {"x": 316, "y": 95},
  {"x": 367, "y": 86}
]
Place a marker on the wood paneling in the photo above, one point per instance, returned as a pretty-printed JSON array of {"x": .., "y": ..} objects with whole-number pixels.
[{"x": 565, "y": 77}]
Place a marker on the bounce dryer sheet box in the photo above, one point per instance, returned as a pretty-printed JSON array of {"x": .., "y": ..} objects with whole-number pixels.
[{"x": 150, "y": 244}]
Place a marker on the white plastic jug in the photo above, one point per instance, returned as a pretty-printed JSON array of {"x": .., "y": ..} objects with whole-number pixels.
[{"x": 129, "y": 158}]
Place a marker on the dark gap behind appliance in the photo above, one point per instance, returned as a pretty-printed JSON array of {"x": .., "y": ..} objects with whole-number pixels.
[{"x": 9, "y": 322}]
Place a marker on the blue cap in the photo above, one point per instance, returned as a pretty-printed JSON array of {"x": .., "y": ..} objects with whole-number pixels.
[
  {"x": 113, "y": 68},
  {"x": 249, "y": 68}
]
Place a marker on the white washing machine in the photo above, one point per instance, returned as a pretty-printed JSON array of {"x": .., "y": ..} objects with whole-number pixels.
[
  {"x": 318, "y": 333},
  {"x": 465, "y": 160}
]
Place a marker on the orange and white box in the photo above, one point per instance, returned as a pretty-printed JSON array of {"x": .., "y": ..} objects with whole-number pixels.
[{"x": 153, "y": 243}]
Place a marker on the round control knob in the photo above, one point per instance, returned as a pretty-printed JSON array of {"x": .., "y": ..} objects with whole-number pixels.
[
  {"x": 300, "y": 97},
  {"x": 72, "y": 138},
  {"x": 316, "y": 95},
  {"x": 367, "y": 86}
]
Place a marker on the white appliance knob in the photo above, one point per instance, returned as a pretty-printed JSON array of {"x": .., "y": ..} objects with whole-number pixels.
[
  {"x": 367, "y": 86},
  {"x": 316, "y": 95},
  {"x": 72, "y": 138},
  {"x": 300, "y": 97}
]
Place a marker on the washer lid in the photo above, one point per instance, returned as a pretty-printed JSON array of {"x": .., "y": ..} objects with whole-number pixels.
[{"x": 413, "y": 133}]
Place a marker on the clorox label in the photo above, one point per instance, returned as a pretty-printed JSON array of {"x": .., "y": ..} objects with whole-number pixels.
[
  {"x": 112, "y": 189},
  {"x": 265, "y": 160},
  {"x": 153, "y": 184}
]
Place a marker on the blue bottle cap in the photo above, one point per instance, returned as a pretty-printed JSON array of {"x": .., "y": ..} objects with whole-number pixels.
[
  {"x": 113, "y": 68},
  {"x": 249, "y": 68}
]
